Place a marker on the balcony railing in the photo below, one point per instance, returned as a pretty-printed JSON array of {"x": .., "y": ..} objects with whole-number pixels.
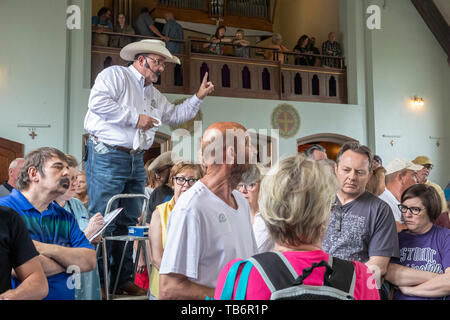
[{"x": 251, "y": 76}]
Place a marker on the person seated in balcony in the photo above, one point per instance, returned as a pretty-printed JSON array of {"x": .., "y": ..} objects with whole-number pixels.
[
  {"x": 215, "y": 46},
  {"x": 240, "y": 45},
  {"x": 313, "y": 61},
  {"x": 101, "y": 23},
  {"x": 145, "y": 26},
  {"x": 276, "y": 44},
  {"x": 331, "y": 48},
  {"x": 302, "y": 47},
  {"x": 173, "y": 30},
  {"x": 122, "y": 27}
]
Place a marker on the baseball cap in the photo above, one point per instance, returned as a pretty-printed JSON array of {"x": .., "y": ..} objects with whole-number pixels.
[
  {"x": 422, "y": 160},
  {"x": 400, "y": 164}
]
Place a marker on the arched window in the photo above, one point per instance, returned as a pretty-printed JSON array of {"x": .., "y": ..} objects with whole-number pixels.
[
  {"x": 298, "y": 89},
  {"x": 203, "y": 69},
  {"x": 332, "y": 87},
  {"x": 226, "y": 77},
  {"x": 246, "y": 82},
  {"x": 315, "y": 86},
  {"x": 266, "y": 79}
]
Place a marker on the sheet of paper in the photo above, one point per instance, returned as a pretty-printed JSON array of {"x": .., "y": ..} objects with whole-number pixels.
[{"x": 108, "y": 219}]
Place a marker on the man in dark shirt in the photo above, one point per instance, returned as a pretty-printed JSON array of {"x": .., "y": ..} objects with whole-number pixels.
[
  {"x": 331, "y": 48},
  {"x": 145, "y": 26},
  {"x": 13, "y": 172},
  {"x": 173, "y": 30},
  {"x": 361, "y": 226},
  {"x": 18, "y": 252}
]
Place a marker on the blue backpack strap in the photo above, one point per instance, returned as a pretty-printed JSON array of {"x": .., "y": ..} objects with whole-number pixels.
[
  {"x": 228, "y": 287},
  {"x": 243, "y": 281}
]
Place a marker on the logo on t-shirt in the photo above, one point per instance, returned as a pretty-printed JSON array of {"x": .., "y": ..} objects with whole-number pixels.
[{"x": 222, "y": 218}]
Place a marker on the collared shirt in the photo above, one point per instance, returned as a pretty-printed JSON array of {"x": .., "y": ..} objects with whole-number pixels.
[
  {"x": 392, "y": 201},
  {"x": 54, "y": 226},
  {"x": 174, "y": 30},
  {"x": 117, "y": 99},
  {"x": 5, "y": 189}
]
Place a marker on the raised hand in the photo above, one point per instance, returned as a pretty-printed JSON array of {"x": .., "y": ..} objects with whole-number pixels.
[{"x": 206, "y": 87}]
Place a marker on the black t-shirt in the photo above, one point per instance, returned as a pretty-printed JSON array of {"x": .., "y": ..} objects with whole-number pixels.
[
  {"x": 156, "y": 198},
  {"x": 16, "y": 246}
]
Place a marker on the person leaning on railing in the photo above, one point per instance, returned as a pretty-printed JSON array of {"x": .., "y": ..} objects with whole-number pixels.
[
  {"x": 278, "y": 47},
  {"x": 215, "y": 46},
  {"x": 121, "y": 27},
  {"x": 101, "y": 23}
]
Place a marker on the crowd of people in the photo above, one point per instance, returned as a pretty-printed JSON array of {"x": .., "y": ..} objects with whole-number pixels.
[
  {"x": 220, "y": 222},
  {"x": 173, "y": 34}
]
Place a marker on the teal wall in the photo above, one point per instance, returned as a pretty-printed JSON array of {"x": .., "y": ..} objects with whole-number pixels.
[
  {"x": 406, "y": 61},
  {"x": 33, "y": 59},
  {"x": 44, "y": 79}
]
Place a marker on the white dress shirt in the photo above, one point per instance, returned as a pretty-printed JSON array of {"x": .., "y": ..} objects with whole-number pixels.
[{"x": 117, "y": 99}]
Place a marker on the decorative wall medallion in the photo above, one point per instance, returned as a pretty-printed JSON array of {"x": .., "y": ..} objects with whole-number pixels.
[
  {"x": 286, "y": 119},
  {"x": 189, "y": 125}
]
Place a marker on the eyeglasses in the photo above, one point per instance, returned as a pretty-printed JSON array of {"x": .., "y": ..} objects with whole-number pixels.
[
  {"x": 428, "y": 166},
  {"x": 182, "y": 180},
  {"x": 414, "y": 210},
  {"x": 158, "y": 62},
  {"x": 248, "y": 187}
]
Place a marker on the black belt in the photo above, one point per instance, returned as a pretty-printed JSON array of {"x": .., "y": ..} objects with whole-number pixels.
[{"x": 127, "y": 150}]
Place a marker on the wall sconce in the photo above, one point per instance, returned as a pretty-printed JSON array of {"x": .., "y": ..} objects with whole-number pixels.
[{"x": 418, "y": 102}]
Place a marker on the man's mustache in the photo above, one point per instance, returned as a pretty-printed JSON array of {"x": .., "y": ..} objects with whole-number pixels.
[{"x": 65, "y": 183}]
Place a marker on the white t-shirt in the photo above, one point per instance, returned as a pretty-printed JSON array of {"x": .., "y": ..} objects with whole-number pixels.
[
  {"x": 392, "y": 201},
  {"x": 263, "y": 240},
  {"x": 204, "y": 234}
]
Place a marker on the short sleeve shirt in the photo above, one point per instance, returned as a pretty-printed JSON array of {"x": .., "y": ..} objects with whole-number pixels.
[
  {"x": 427, "y": 252},
  {"x": 367, "y": 228},
  {"x": 16, "y": 247},
  {"x": 54, "y": 226},
  {"x": 142, "y": 25},
  {"x": 204, "y": 234}
]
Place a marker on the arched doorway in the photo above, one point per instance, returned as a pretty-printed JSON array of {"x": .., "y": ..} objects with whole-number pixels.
[{"x": 330, "y": 141}]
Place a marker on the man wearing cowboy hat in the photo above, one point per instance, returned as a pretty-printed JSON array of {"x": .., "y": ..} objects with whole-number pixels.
[{"x": 125, "y": 110}]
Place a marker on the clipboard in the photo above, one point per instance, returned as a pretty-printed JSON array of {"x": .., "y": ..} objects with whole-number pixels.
[{"x": 108, "y": 219}]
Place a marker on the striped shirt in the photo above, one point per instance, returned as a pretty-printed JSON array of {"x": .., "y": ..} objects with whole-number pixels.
[{"x": 54, "y": 226}]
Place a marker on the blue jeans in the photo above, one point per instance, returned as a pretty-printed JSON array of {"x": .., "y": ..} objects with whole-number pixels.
[{"x": 110, "y": 172}]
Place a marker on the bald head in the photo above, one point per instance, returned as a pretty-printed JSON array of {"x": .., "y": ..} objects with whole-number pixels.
[
  {"x": 227, "y": 143},
  {"x": 168, "y": 16}
]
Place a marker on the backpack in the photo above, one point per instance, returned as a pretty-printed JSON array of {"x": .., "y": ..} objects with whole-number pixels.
[{"x": 284, "y": 282}]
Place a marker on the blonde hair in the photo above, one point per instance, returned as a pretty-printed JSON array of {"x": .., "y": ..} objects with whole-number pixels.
[
  {"x": 295, "y": 200},
  {"x": 183, "y": 166}
]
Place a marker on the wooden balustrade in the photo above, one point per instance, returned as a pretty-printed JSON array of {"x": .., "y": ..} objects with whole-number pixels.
[{"x": 240, "y": 77}]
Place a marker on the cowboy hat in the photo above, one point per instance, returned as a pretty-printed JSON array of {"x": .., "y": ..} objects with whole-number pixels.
[{"x": 129, "y": 52}]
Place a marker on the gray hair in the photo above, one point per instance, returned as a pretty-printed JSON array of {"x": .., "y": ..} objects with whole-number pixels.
[
  {"x": 295, "y": 200},
  {"x": 309, "y": 152},
  {"x": 15, "y": 163}
]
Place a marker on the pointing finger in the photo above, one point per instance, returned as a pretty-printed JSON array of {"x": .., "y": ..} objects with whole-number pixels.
[{"x": 205, "y": 78}]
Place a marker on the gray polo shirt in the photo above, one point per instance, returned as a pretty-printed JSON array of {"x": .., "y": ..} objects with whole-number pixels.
[
  {"x": 142, "y": 25},
  {"x": 367, "y": 228}
]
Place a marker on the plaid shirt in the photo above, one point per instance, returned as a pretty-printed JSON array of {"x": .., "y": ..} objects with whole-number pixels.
[{"x": 335, "y": 48}]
